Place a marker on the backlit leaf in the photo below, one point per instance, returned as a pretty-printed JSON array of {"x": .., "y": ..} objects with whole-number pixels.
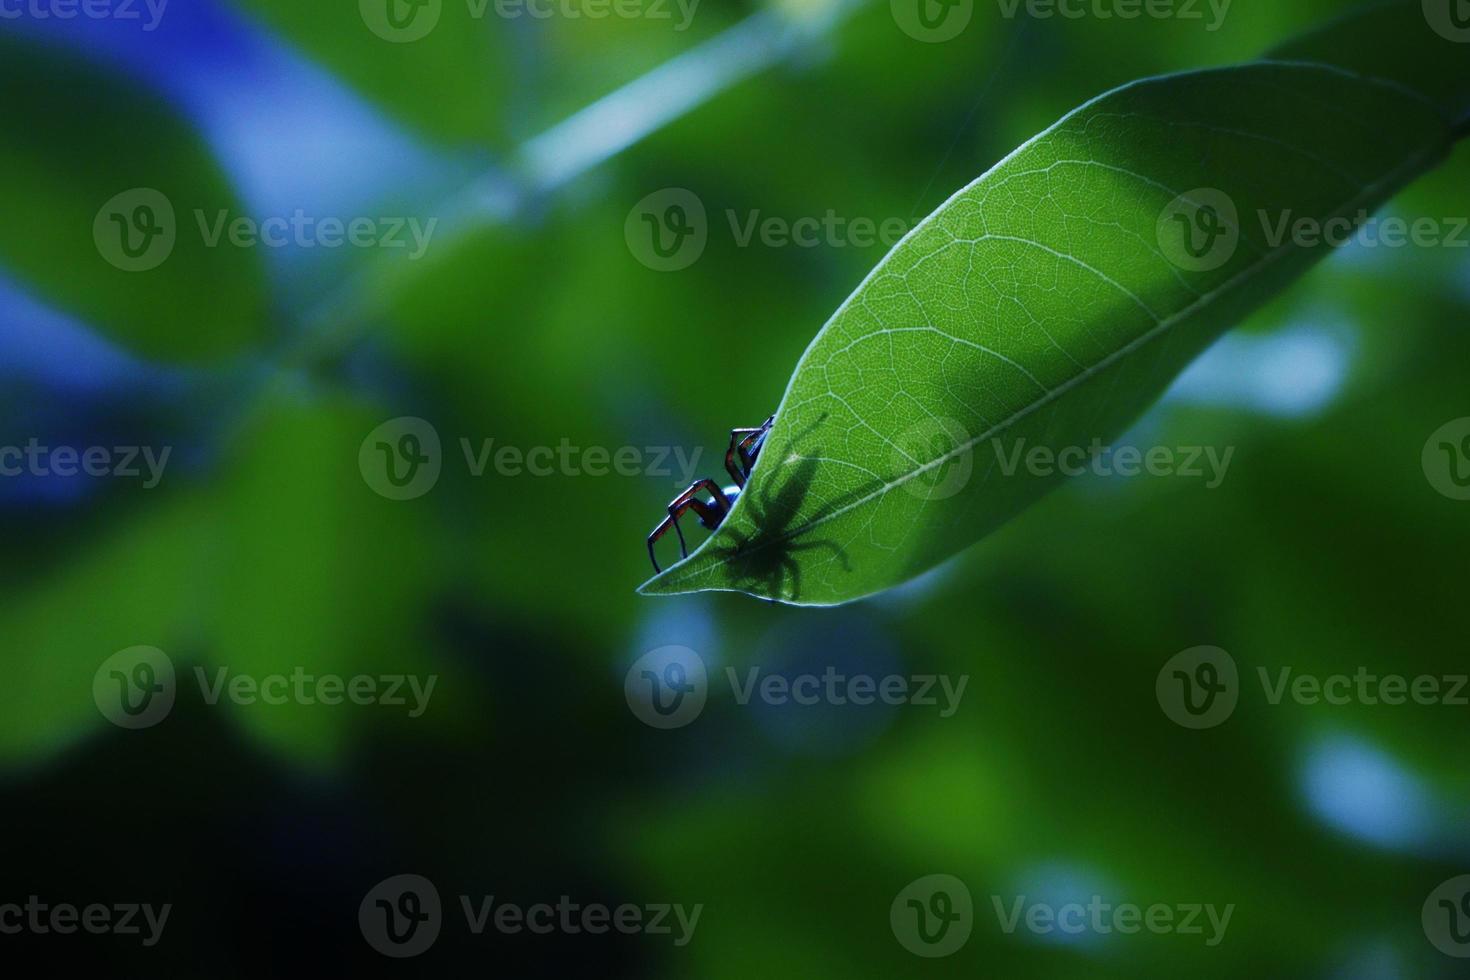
[{"x": 1049, "y": 303}]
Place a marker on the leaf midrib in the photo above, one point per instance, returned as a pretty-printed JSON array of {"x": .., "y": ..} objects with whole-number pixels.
[{"x": 1267, "y": 260}]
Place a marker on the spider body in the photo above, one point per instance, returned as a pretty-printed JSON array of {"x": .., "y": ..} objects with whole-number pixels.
[{"x": 710, "y": 502}]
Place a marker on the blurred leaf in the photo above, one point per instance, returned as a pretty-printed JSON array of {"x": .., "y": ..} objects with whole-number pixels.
[
  {"x": 90, "y": 157},
  {"x": 343, "y": 572},
  {"x": 1394, "y": 41},
  {"x": 1047, "y": 305},
  {"x": 432, "y": 65},
  {"x": 138, "y": 583}
]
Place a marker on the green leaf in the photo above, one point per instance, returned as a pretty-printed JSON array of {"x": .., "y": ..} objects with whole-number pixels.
[
  {"x": 309, "y": 542},
  {"x": 140, "y": 581},
  {"x": 85, "y": 148},
  {"x": 432, "y": 66},
  {"x": 1397, "y": 41},
  {"x": 1048, "y": 304}
]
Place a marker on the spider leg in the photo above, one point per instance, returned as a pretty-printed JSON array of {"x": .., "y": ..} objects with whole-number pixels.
[
  {"x": 710, "y": 514},
  {"x": 743, "y": 449},
  {"x": 738, "y": 440},
  {"x": 659, "y": 532}
]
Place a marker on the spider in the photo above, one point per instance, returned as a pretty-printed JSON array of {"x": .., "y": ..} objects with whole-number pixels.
[
  {"x": 740, "y": 458},
  {"x": 766, "y": 559}
]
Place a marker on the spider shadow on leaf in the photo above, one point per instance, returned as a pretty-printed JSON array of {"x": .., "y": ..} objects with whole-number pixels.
[{"x": 765, "y": 560}]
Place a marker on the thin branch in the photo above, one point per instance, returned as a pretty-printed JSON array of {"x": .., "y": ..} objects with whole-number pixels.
[
  {"x": 579, "y": 144},
  {"x": 642, "y": 107}
]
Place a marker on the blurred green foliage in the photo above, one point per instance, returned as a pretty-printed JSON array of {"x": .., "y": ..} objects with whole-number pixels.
[{"x": 265, "y": 549}]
